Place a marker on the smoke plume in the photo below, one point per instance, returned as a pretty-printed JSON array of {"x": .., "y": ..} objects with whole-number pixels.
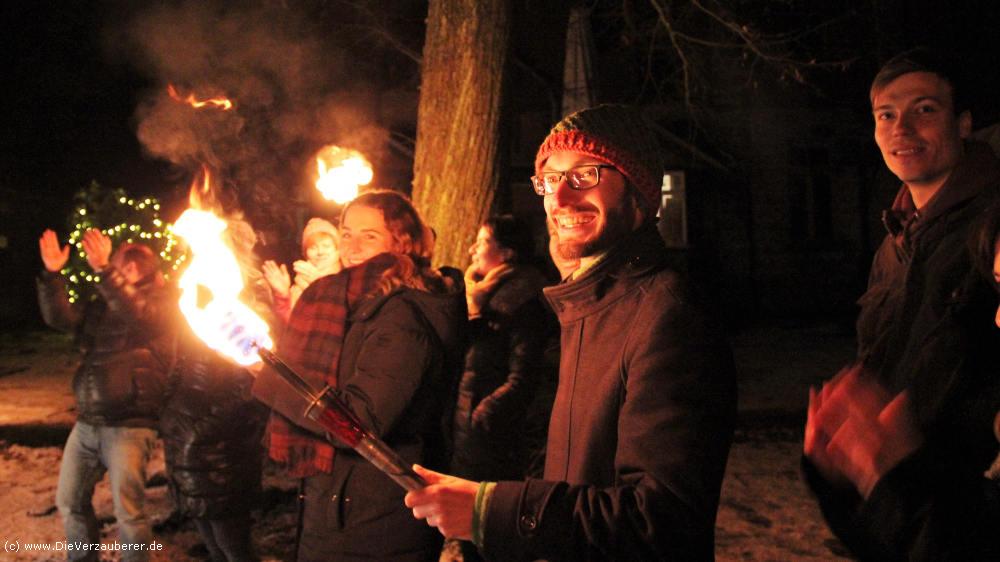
[{"x": 293, "y": 92}]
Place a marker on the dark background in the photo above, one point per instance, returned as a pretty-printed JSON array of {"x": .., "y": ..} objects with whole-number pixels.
[{"x": 799, "y": 206}]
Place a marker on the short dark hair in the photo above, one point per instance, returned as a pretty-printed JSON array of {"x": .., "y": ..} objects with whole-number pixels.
[
  {"x": 513, "y": 234},
  {"x": 923, "y": 59},
  {"x": 145, "y": 259}
]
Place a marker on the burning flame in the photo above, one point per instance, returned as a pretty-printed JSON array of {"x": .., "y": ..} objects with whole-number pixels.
[
  {"x": 210, "y": 288},
  {"x": 220, "y": 102},
  {"x": 341, "y": 171}
]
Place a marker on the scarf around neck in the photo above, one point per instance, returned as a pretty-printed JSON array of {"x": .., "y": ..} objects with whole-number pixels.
[{"x": 312, "y": 343}]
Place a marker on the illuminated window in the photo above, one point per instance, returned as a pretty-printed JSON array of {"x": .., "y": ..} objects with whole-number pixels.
[{"x": 673, "y": 210}]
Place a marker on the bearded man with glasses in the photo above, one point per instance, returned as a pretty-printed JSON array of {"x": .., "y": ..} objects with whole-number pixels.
[{"x": 643, "y": 416}]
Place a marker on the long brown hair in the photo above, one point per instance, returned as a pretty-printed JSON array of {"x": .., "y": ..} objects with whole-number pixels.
[{"x": 412, "y": 245}]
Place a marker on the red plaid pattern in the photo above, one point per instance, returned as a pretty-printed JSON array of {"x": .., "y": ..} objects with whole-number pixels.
[{"x": 311, "y": 344}]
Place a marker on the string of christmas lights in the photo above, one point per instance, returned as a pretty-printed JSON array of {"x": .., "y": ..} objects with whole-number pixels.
[{"x": 123, "y": 219}]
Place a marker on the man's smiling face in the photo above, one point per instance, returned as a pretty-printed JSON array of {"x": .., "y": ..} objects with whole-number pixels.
[
  {"x": 917, "y": 130},
  {"x": 588, "y": 222}
]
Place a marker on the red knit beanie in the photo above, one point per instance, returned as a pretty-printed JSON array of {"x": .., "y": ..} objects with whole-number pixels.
[{"x": 617, "y": 135}]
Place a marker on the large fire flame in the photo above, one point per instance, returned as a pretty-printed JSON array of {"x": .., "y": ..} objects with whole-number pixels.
[
  {"x": 210, "y": 289},
  {"x": 341, "y": 171},
  {"x": 219, "y": 102}
]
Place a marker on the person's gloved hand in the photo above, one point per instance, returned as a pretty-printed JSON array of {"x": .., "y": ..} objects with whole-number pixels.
[{"x": 478, "y": 291}]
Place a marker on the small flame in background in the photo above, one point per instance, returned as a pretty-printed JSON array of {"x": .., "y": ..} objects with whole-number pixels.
[
  {"x": 219, "y": 102},
  {"x": 211, "y": 285},
  {"x": 341, "y": 171}
]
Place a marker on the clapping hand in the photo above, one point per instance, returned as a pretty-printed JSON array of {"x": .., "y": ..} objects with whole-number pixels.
[
  {"x": 856, "y": 431},
  {"x": 305, "y": 273},
  {"x": 97, "y": 246},
  {"x": 277, "y": 277},
  {"x": 53, "y": 257}
]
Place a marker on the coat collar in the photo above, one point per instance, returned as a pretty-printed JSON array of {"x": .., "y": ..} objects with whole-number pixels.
[
  {"x": 977, "y": 170},
  {"x": 639, "y": 254}
]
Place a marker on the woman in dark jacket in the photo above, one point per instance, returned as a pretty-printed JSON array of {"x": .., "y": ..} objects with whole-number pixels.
[
  {"x": 507, "y": 329},
  {"x": 384, "y": 334},
  {"x": 503, "y": 400}
]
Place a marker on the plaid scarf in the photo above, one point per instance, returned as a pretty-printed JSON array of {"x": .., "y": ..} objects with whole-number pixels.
[{"x": 312, "y": 342}]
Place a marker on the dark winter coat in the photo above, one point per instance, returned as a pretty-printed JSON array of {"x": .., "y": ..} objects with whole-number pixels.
[
  {"x": 123, "y": 335},
  {"x": 641, "y": 424},
  {"x": 926, "y": 326},
  {"x": 398, "y": 368},
  {"x": 212, "y": 430},
  {"x": 503, "y": 372}
]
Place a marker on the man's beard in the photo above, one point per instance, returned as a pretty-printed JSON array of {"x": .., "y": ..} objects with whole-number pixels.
[{"x": 618, "y": 223}]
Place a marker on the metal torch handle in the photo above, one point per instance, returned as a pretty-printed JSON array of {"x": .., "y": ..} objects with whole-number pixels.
[
  {"x": 385, "y": 459},
  {"x": 368, "y": 446}
]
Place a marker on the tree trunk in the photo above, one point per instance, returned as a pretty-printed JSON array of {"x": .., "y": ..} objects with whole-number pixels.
[{"x": 458, "y": 158}]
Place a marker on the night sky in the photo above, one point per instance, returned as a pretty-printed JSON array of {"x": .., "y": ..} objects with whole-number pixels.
[
  {"x": 68, "y": 107},
  {"x": 70, "y": 97}
]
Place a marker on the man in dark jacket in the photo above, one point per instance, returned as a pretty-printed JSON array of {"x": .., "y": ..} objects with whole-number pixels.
[
  {"x": 643, "y": 416},
  {"x": 119, "y": 385},
  {"x": 927, "y": 350}
]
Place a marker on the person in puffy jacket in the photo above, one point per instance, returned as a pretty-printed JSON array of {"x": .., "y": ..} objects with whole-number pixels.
[
  {"x": 119, "y": 385},
  {"x": 212, "y": 429}
]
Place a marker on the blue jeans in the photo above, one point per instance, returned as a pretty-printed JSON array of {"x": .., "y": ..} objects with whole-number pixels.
[{"x": 91, "y": 451}]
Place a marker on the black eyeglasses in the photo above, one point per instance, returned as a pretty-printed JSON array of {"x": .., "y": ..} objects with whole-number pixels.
[{"x": 579, "y": 178}]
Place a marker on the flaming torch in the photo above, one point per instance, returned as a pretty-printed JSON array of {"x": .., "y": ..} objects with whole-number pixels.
[
  {"x": 209, "y": 301},
  {"x": 341, "y": 171}
]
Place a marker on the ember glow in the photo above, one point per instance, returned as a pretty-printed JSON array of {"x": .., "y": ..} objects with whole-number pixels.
[
  {"x": 341, "y": 171},
  {"x": 219, "y": 102},
  {"x": 210, "y": 289}
]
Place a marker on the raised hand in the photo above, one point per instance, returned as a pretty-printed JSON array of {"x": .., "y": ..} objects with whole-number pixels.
[
  {"x": 277, "y": 277},
  {"x": 53, "y": 257},
  {"x": 97, "y": 246},
  {"x": 305, "y": 273}
]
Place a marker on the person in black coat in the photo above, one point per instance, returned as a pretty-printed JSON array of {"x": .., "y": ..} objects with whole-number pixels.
[
  {"x": 212, "y": 430},
  {"x": 914, "y": 500},
  {"x": 385, "y": 335},
  {"x": 895, "y": 448},
  {"x": 507, "y": 326},
  {"x": 508, "y": 329}
]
